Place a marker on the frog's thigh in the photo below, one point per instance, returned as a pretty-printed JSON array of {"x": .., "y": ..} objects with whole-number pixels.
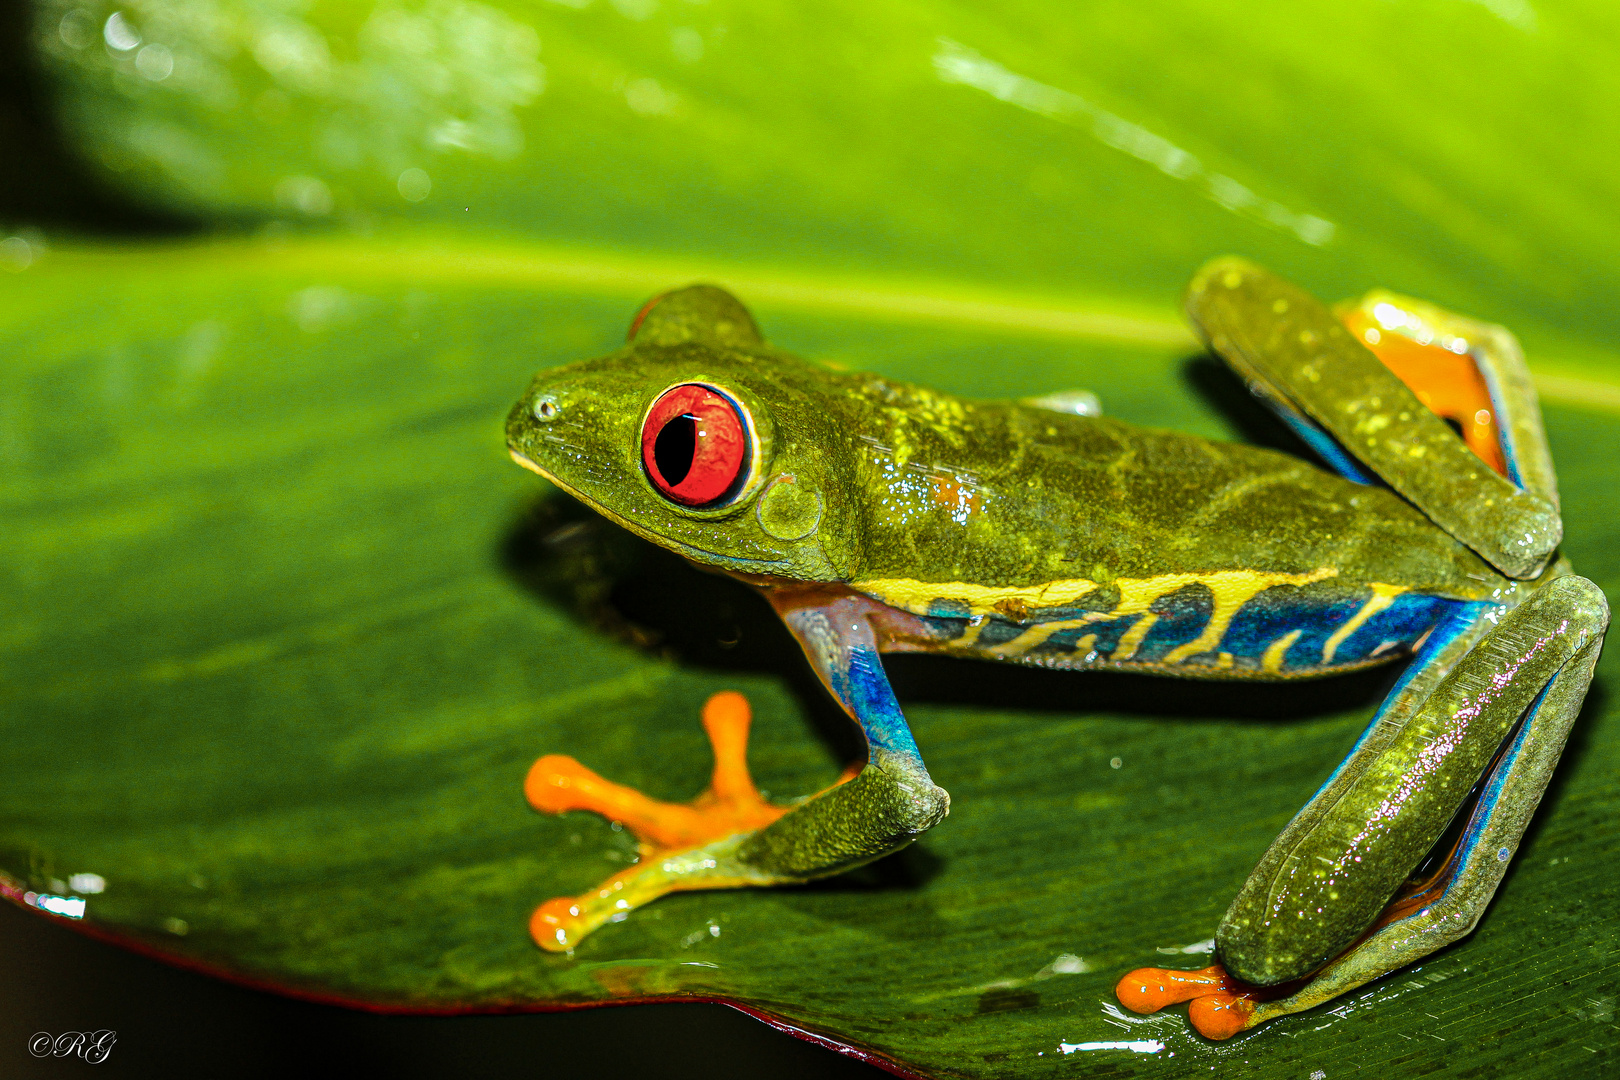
[
  {"x": 1364, "y": 420},
  {"x": 1564, "y": 620}
]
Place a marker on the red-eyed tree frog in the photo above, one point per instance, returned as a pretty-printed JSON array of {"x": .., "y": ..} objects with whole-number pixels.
[{"x": 877, "y": 516}]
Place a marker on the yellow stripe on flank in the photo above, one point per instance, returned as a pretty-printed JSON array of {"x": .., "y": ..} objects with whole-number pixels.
[
  {"x": 1135, "y": 594},
  {"x": 919, "y": 597},
  {"x": 1382, "y": 596},
  {"x": 1037, "y": 635},
  {"x": 1272, "y": 660},
  {"x": 1223, "y": 661},
  {"x": 1132, "y": 639},
  {"x": 1232, "y": 589}
]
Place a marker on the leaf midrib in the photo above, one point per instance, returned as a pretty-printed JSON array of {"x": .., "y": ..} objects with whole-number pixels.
[{"x": 454, "y": 262}]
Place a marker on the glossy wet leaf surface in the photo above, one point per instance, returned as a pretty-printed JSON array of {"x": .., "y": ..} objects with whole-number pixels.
[
  {"x": 1461, "y": 150},
  {"x": 285, "y": 630}
]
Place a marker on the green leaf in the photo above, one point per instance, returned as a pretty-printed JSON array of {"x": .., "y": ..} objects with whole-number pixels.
[
  {"x": 285, "y": 630},
  {"x": 1461, "y": 151},
  {"x": 284, "y": 627}
]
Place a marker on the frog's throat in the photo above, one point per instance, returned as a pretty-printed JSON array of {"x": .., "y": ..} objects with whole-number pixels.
[{"x": 696, "y": 554}]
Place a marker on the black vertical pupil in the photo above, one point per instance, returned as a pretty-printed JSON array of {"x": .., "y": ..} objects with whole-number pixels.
[{"x": 675, "y": 448}]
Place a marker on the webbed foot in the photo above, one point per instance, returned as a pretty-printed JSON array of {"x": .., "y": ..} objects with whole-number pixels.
[
  {"x": 1221, "y": 1005},
  {"x": 682, "y": 845}
]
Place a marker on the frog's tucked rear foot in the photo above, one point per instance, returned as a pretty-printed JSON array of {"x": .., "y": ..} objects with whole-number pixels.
[
  {"x": 1221, "y": 1005},
  {"x": 682, "y": 845}
]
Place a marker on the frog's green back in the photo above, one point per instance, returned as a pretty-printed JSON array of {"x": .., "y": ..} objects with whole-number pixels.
[
  {"x": 859, "y": 479},
  {"x": 1004, "y": 494}
]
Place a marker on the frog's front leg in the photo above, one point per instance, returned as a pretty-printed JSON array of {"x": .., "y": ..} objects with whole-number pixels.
[
  {"x": 730, "y": 836},
  {"x": 1332, "y": 904},
  {"x": 893, "y": 800}
]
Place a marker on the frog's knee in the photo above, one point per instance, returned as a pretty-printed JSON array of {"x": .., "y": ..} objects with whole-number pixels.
[
  {"x": 881, "y": 810},
  {"x": 1582, "y": 597},
  {"x": 1268, "y": 954},
  {"x": 903, "y": 801},
  {"x": 926, "y": 804}
]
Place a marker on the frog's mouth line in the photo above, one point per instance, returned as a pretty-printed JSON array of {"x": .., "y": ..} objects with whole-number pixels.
[{"x": 697, "y": 554}]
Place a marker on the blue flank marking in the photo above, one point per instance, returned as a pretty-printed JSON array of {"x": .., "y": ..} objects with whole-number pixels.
[
  {"x": 1458, "y": 617},
  {"x": 868, "y": 692},
  {"x": 998, "y": 632},
  {"x": 1272, "y": 614},
  {"x": 1067, "y": 640},
  {"x": 1276, "y": 612},
  {"x": 1182, "y": 616},
  {"x": 942, "y": 628},
  {"x": 1326, "y": 446},
  {"x": 1109, "y": 633}
]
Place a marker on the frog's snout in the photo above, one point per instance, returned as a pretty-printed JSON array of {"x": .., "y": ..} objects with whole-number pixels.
[
  {"x": 560, "y": 430},
  {"x": 526, "y": 424},
  {"x": 542, "y": 407}
]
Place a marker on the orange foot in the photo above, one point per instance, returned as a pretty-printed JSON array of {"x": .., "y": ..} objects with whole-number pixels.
[
  {"x": 1221, "y": 1006},
  {"x": 681, "y": 843}
]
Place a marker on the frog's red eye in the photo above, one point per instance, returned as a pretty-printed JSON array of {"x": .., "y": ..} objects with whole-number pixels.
[{"x": 694, "y": 445}]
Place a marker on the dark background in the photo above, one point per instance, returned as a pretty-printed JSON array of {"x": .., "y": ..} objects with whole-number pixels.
[
  {"x": 179, "y": 1024},
  {"x": 174, "y": 1023}
]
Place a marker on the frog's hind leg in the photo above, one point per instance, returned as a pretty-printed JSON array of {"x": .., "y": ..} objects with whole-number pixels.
[
  {"x": 1326, "y": 910},
  {"x": 671, "y": 835},
  {"x": 1493, "y": 490},
  {"x": 1471, "y": 374}
]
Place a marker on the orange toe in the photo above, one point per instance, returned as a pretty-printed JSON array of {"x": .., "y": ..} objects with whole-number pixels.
[
  {"x": 557, "y": 783},
  {"x": 1147, "y": 990},
  {"x": 726, "y": 717},
  {"x": 555, "y": 923},
  {"x": 1221, "y": 1005},
  {"x": 1221, "y": 1016}
]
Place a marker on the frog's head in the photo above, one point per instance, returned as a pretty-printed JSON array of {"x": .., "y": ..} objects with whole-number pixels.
[{"x": 701, "y": 438}]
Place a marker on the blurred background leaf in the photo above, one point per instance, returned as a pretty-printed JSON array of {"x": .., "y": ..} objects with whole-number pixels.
[
  {"x": 288, "y": 628},
  {"x": 1457, "y": 150}
]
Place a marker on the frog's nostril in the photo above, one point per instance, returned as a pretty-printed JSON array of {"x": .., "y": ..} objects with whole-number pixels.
[{"x": 545, "y": 408}]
